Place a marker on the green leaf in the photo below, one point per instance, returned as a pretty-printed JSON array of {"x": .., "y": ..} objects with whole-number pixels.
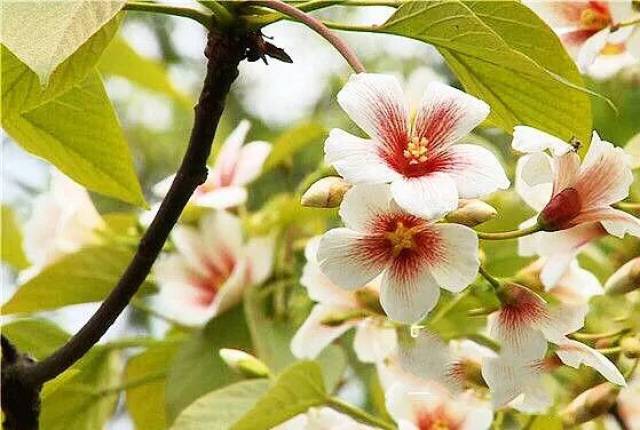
[
  {"x": 546, "y": 422},
  {"x": 11, "y": 246},
  {"x": 297, "y": 389},
  {"x": 633, "y": 149},
  {"x": 87, "y": 275},
  {"x": 504, "y": 54},
  {"x": 53, "y": 385},
  {"x": 219, "y": 409},
  {"x": 197, "y": 368},
  {"x": 43, "y": 34},
  {"x": 122, "y": 60},
  {"x": 146, "y": 403},
  {"x": 292, "y": 141},
  {"x": 79, "y": 133},
  {"x": 39, "y": 337}
]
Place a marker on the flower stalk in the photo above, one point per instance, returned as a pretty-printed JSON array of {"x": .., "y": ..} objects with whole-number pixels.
[{"x": 509, "y": 234}]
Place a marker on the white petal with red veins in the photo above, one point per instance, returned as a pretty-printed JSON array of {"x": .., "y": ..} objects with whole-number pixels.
[
  {"x": 563, "y": 319},
  {"x": 232, "y": 290},
  {"x": 476, "y": 171},
  {"x": 523, "y": 342},
  {"x": 373, "y": 343},
  {"x": 313, "y": 336},
  {"x": 229, "y": 154},
  {"x": 222, "y": 198},
  {"x": 430, "y": 197},
  {"x": 189, "y": 243},
  {"x": 357, "y": 160},
  {"x": 574, "y": 354},
  {"x": 458, "y": 261},
  {"x": 408, "y": 294},
  {"x": 446, "y": 114},
  {"x": 250, "y": 161},
  {"x": 427, "y": 357},
  {"x": 376, "y": 103},
  {"x": 529, "y": 140},
  {"x": 221, "y": 233},
  {"x": 616, "y": 222},
  {"x": 346, "y": 261},
  {"x": 591, "y": 49},
  {"x": 362, "y": 204}
]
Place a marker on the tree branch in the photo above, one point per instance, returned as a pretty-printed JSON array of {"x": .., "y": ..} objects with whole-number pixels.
[{"x": 224, "y": 53}]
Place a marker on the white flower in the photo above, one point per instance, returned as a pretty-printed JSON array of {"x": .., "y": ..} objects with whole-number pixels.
[
  {"x": 588, "y": 31},
  {"x": 427, "y": 172},
  {"x": 418, "y": 406},
  {"x": 322, "y": 418},
  {"x": 236, "y": 166},
  {"x": 373, "y": 341},
  {"x": 415, "y": 257},
  {"x": 571, "y": 196},
  {"x": 628, "y": 404},
  {"x": 523, "y": 327},
  {"x": 211, "y": 268},
  {"x": 63, "y": 220}
]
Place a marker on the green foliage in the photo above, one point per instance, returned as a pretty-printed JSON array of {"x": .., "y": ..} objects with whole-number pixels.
[
  {"x": 292, "y": 141},
  {"x": 297, "y": 389},
  {"x": 219, "y": 409},
  {"x": 197, "y": 368},
  {"x": 87, "y": 275},
  {"x": 546, "y": 422},
  {"x": 38, "y": 336},
  {"x": 11, "y": 247},
  {"x": 525, "y": 82}
]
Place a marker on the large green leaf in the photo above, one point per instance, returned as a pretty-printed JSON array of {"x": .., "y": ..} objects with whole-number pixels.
[
  {"x": 44, "y": 34},
  {"x": 219, "y": 409},
  {"x": 38, "y": 337},
  {"x": 78, "y": 132},
  {"x": 197, "y": 368},
  {"x": 11, "y": 246},
  {"x": 146, "y": 402},
  {"x": 82, "y": 277},
  {"x": 122, "y": 60},
  {"x": 292, "y": 141},
  {"x": 506, "y": 55},
  {"x": 297, "y": 389}
]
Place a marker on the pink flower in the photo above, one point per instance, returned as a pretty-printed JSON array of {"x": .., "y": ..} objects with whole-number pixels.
[
  {"x": 588, "y": 31},
  {"x": 427, "y": 172},
  {"x": 211, "y": 268},
  {"x": 236, "y": 166},
  {"x": 373, "y": 340},
  {"x": 571, "y": 196},
  {"x": 415, "y": 257}
]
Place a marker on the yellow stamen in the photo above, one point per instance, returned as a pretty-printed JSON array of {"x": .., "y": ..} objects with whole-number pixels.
[
  {"x": 613, "y": 49},
  {"x": 593, "y": 19},
  {"x": 417, "y": 149},
  {"x": 401, "y": 238}
]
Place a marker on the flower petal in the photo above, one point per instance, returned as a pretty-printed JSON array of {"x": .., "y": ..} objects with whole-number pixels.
[
  {"x": 614, "y": 221},
  {"x": 566, "y": 169},
  {"x": 250, "y": 161},
  {"x": 190, "y": 245},
  {"x": 350, "y": 259},
  {"x": 446, "y": 114},
  {"x": 580, "y": 282},
  {"x": 362, "y": 204},
  {"x": 563, "y": 319},
  {"x": 430, "y": 197},
  {"x": 476, "y": 171},
  {"x": 357, "y": 160},
  {"x": 221, "y": 233},
  {"x": 509, "y": 381},
  {"x": 313, "y": 336},
  {"x": 458, "y": 264},
  {"x": 591, "y": 49},
  {"x": 259, "y": 254},
  {"x": 222, "y": 198},
  {"x": 428, "y": 358},
  {"x": 574, "y": 354},
  {"x": 559, "y": 14},
  {"x": 407, "y": 295},
  {"x": 523, "y": 342},
  {"x": 227, "y": 159},
  {"x": 534, "y": 180},
  {"x": 232, "y": 290},
  {"x": 530, "y": 140},
  {"x": 376, "y": 103},
  {"x": 373, "y": 343}
]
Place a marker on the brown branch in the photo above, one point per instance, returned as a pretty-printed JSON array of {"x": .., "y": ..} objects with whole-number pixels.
[{"x": 224, "y": 52}]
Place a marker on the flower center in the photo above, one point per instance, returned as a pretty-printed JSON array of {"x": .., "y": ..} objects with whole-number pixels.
[
  {"x": 416, "y": 151},
  {"x": 437, "y": 419},
  {"x": 401, "y": 238},
  {"x": 594, "y": 19},
  {"x": 613, "y": 49}
]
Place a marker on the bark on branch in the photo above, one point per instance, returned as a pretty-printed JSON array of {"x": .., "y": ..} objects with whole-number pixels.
[{"x": 22, "y": 378}]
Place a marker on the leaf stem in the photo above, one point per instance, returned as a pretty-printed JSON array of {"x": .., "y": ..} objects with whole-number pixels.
[
  {"x": 203, "y": 18},
  {"x": 358, "y": 414},
  {"x": 628, "y": 207},
  {"x": 316, "y": 25},
  {"x": 596, "y": 336},
  {"x": 628, "y": 23},
  {"x": 495, "y": 283},
  {"x": 504, "y": 235}
]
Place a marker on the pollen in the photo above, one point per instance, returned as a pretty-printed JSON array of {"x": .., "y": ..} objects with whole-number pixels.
[
  {"x": 613, "y": 49},
  {"x": 401, "y": 238},
  {"x": 593, "y": 19},
  {"x": 417, "y": 149}
]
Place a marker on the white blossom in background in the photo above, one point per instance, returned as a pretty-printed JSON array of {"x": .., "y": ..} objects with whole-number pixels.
[
  {"x": 62, "y": 221},
  {"x": 210, "y": 269},
  {"x": 572, "y": 198},
  {"x": 415, "y": 257},
  {"x": 524, "y": 326},
  {"x": 322, "y": 418},
  {"x": 236, "y": 165},
  {"x": 588, "y": 29},
  {"x": 373, "y": 340},
  {"x": 419, "y": 157}
]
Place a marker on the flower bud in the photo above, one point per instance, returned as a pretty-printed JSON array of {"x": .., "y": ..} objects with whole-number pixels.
[
  {"x": 246, "y": 364},
  {"x": 590, "y": 404},
  {"x": 325, "y": 193},
  {"x": 626, "y": 278},
  {"x": 472, "y": 212},
  {"x": 630, "y": 346}
]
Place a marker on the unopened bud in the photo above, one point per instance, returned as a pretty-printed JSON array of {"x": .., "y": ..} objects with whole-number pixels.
[
  {"x": 626, "y": 278},
  {"x": 325, "y": 193},
  {"x": 590, "y": 404},
  {"x": 246, "y": 364},
  {"x": 472, "y": 212},
  {"x": 630, "y": 346}
]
